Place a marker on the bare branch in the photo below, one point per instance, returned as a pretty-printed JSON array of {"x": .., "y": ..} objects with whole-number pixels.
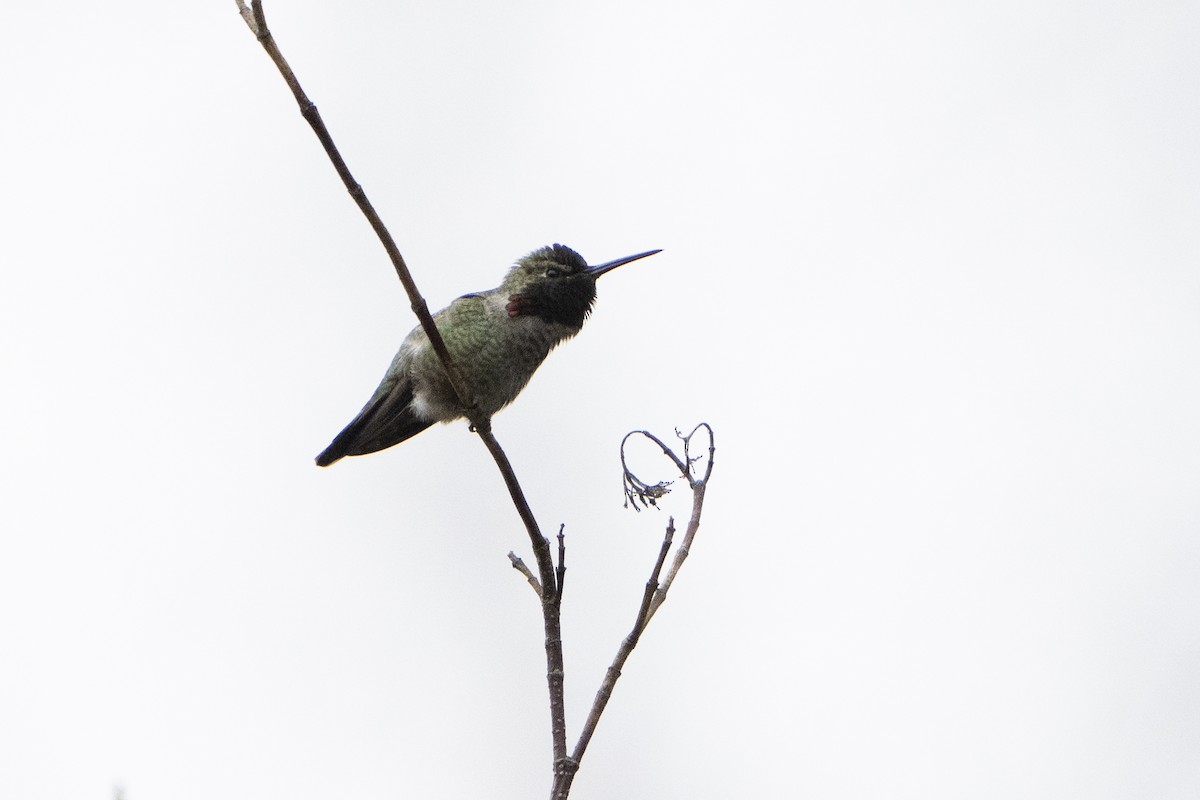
[{"x": 550, "y": 594}]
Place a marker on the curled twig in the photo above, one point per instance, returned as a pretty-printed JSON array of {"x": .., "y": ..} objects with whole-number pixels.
[{"x": 637, "y": 491}]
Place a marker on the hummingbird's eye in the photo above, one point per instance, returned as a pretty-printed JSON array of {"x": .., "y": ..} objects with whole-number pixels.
[{"x": 552, "y": 272}]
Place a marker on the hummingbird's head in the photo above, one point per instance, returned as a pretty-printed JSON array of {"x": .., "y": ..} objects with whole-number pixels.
[{"x": 555, "y": 284}]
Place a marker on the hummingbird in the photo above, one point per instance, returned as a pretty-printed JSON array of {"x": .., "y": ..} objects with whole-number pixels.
[{"x": 497, "y": 338}]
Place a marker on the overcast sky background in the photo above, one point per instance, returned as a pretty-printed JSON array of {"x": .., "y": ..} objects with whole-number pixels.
[{"x": 929, "y": 269}]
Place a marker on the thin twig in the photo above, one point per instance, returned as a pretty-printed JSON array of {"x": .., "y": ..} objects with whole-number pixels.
[
  {"x": 681, "y": 552},
  {"x": 698, "y": 487},
  {"x": 561, "y": 572},
  {"x": 638, "y": 492},
  {"x": 520, "y": 567}
]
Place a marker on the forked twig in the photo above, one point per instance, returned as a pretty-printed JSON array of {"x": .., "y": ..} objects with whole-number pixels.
[
  {"x": 655, "y": 593},
  {"x": 604, "y": 693}
]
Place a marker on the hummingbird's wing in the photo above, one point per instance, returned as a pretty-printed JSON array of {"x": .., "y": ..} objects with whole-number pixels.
[{"x": 385, "y": 420}]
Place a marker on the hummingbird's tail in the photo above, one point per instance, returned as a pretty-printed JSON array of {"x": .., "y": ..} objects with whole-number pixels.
[{"x": 388, "y": 419}]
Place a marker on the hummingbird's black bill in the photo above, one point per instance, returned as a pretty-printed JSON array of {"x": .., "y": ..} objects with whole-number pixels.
[{"x": 608, "y": 266}]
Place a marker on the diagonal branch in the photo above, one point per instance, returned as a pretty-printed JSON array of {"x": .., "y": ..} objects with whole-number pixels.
[
  {"x": 550, "y": 595},
  {"x": 256, "y": 20}
]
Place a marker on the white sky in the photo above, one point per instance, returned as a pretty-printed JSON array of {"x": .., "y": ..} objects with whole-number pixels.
[{"x": 929, "y": 269}]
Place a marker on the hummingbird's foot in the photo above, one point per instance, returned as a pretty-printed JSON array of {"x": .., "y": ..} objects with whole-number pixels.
[{"x": 482, "y": 426}]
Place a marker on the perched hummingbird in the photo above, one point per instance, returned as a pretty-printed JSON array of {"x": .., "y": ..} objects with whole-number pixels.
[{"x": 498, "y": 338}]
